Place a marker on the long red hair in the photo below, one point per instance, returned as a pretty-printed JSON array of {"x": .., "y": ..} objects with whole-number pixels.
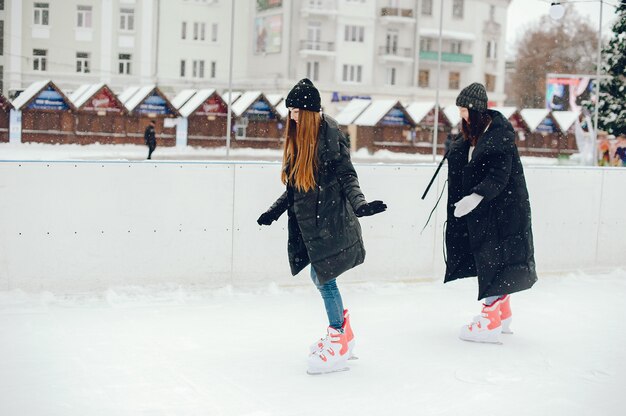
[{"x": 300, "y": 152}]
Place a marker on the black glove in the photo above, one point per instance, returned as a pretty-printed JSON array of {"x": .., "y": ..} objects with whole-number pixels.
[
  {"x": 265, "y": 219},
  {"x": 371, "y": 208}
]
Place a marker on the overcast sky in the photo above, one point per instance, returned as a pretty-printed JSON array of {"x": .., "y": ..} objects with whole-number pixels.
[{"x": 523, "y": 13}]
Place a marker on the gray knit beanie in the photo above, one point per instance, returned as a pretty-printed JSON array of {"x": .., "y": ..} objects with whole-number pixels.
[{"x": 473, "y": 97}]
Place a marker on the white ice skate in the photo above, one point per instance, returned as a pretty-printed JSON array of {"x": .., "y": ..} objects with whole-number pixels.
[
  {"x": 347, "y": 329},
  {"x": 486, "y": 327},
  {"x": 332, "y": 356}
]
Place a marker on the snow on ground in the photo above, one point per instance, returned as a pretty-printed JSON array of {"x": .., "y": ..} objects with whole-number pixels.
[
  {"x": 194, "y": 351},
  {"x": 42, "y": 151}
]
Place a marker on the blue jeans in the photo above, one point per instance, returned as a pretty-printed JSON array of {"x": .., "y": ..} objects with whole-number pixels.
[
  {"x": 490, "y": 300},
  {"x": 332, "y": 300}
]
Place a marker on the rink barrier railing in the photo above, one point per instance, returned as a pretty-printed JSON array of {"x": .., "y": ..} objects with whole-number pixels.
[{"x": 89, "y": 225}]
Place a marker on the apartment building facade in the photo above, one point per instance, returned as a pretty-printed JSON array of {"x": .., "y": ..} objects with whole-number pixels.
[{"x": 372, "y": 48}]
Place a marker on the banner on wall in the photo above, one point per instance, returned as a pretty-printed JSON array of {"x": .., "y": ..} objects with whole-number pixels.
[
  {"x": 103, "y": 101},
  {"x": 154, "y": 104},
  {"x": 262, "y": 5},
  {"x": 268, "y": 32},
  {"x": 568, "y": 92},
  {"x": 49, "y": 99},
  {"x": 260, "y": 110},
  {"x": 395, "y": 117}
]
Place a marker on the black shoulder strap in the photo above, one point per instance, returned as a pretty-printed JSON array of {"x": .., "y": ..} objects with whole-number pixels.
[{"x": 445, "y": 156}]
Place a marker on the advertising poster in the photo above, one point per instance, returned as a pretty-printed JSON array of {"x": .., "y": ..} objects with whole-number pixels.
[
  {"x": 262, "y": 5},
  {"x": 268, "y": 31},
  {"x": 568, "y": 94}
]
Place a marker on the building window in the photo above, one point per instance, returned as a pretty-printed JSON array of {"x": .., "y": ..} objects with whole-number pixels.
[
  {"x": 352, "y": 73},
  {"x": 391, "y": 76},
  {"x": 196, "y": 30},
  {"x": 127, "y": 19},
  {"x": 41, "y": 14},
  {"x": 183, "y": 33},
  {"x": 454, "y": 80},
  {"x": 82, "y": 62},
  {"x": 354, "y": 33},
  {"x": 202, "y": 31},
  {"x": 40, "y": 59},
  {"x": 214, "y": 32},
  {"x": 492, "y": 12},
  {"x": 1, "y": 4},
  {"x": 83, "y": 16},
  {"x": 490, "y": 82},
  {"x": 492, "y": 49},
  {"x": 426, "y": 44},
  {"x": 457, "y": 9},
  {"x": 423, "y": 78},
  {"x": 455, "y": 46},
  {"x": 427, "y": 7},
  {"x": 124, "y": 63},
  {"x": 182, "y": 68},
  {"x": 2, "y": 74},
  {"x": 1, "y": 37},
  {"x": 313, "y": 70},
  {"x": 197, "y": 70},
  {"x": 213, "y": 69}
]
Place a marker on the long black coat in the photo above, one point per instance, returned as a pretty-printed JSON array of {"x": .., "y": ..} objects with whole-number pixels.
[
  {"x": 323, "y": 229},
  {"x": 494, "y": 241}
]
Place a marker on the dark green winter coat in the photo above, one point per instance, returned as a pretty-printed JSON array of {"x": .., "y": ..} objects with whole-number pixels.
[
  {"x": 323, "y": 229},
  {"x": 494, "y": 241}
]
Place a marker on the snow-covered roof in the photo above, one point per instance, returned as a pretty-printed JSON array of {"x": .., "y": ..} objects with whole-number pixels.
[
  {"x": 29, "y": 93},
  {"x": 452, "y": 114},
  {"x": 138, "y": 97},
  {"x": 127, "y": 93},
  {"x": 196, "y": 101},
  {"x": 245, "y": 101},
  {"x": 279, "y": 103},
  {"x": 507, "y": 112},
  {"x": 420, "y": 109},
  {"x": 534, "y": 116},
  {"x": 351, "y": 111},
  {"x": 274, "y": 98},
  {"x": 447, "y": 34},
  {"x": 78, "y": 92},
  {"x": 86, "y": 94},
  {"x": 235, "y": 97},
  {"x": 565, "y": 119},
  {"x": 375, "y": 112},
  {"x": 182, "y": 98}
]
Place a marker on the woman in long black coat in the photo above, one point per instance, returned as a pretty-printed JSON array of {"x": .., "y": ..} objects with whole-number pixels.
[
  {"x": 488, "y": 231},
  {"x": 323, "y": 200}
]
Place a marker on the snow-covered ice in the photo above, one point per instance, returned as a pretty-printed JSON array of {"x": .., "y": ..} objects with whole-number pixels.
[{"x": 194, "y": 351}]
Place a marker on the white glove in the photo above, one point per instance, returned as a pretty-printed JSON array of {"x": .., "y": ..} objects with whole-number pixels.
[{"x": 467, "y": 205}]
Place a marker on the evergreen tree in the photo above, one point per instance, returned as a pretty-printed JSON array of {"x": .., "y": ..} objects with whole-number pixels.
[{"x": 612, "y": 110}]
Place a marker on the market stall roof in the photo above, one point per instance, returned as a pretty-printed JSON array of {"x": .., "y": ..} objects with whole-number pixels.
[
  {"x": 278, "y": 101},
  {"x": 420, "y": 109},
  {"x": 452, "y": 114},
  {"x": 507, "y": 112},
  {"x": 351, "y": 111},
  {"x": 235, "y": 97},
  {"x": 565, "y": 119},
  {"x": 196, "y": 101},
  {"x": 534, "y": 116},
  {"x": 144, "y": 94},
  {"x": 182, "y": 97},
  {"x": 125, "y": 95},
  {"x": 33, "y": 91},
  {"x": 378, "y": 110}
]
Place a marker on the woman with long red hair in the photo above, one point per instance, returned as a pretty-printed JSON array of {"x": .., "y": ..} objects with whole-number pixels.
[{"x": 323, "y": 200}]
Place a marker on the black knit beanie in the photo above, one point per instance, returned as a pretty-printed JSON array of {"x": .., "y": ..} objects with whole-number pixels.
[
  {"x": 473, "y": 97},
  {"x": 304, "y": 96}
]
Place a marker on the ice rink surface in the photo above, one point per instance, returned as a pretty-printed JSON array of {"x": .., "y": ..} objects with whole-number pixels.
[{"x": 193, "y": 351}]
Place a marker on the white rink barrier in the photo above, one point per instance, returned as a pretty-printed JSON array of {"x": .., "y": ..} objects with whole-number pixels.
[{"x": 90, "y": 225}]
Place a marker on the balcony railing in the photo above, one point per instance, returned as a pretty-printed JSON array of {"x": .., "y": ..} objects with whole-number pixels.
[
  {"x": 400, "y": 52},
  {"x": 446, "y": 57},
  {"x": 314, "y": 45},
  {"x": 396, "y": 12},
  {"x": 320, "y": 4}
]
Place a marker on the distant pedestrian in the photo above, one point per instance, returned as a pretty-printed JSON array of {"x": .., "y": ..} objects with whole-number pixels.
[{"x": 150, "y": 137}]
